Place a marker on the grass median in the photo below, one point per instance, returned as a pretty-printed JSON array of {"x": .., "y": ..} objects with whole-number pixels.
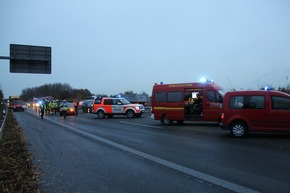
[{"x": 17, "y": 172}]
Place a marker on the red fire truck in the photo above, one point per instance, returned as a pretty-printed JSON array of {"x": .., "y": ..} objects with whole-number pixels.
[
  {"x": 200, "y": 101},
  {"x": 16, "y": 103}
]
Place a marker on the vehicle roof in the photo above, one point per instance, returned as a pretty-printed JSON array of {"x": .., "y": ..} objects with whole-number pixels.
[
  {"x": 256, "y": 92},
  {"x": 111, "y": 98},
  {"x": 88, "y": 100},
  {"x": 188, "y": 85}
]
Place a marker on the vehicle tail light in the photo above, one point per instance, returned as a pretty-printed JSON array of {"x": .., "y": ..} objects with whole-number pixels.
[{"x": 222, "y": 116}]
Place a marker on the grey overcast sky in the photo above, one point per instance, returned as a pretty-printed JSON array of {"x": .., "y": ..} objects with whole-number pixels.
[{"x": 113, "y": 46}]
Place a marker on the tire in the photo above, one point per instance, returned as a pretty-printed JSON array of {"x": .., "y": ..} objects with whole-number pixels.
[
  {"x": 130, "y": 114},
  {"x": 165, "y": 121},
  {"x": 101, "y": 114},
  {"x": 238, "y": 129}
]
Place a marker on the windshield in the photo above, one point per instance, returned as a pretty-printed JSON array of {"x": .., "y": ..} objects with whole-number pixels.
[
  {"x": 124, "y": 101},
  {"x": 222, "y": 92},
  {"x": 18, "y": 102}
]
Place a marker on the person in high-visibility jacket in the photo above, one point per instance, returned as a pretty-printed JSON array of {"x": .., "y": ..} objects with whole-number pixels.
[
  {"x": 55, "y": 107},
  {"x": 42, "y": 108},
  {"x": 51, "y": 108},
  {"x": 64, "y": 110}
]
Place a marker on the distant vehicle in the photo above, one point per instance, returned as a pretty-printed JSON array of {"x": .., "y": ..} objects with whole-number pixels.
[
  {"x": 107, "y": 106},
  {"x": 70, "y": 108},
  {"x": 255, "y": 111},
  {"x": 18, "y": 105},
  {"x": 87, "y": 106},
  {"x": 135, "y": 98},
  {"x": 25, "y": 105},
  {"x": 200, "y": 101}
]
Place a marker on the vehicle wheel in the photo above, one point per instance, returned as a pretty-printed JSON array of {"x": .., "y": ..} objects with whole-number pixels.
[
  {"x": 238, "y": 129},
  {"x": 165, "y": 121},
  {"x": 101, "y": 114},
  {"x": 130, "y": 114}
]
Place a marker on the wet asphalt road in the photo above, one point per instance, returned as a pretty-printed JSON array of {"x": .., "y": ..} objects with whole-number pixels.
[{"x": 86, "y": 154}]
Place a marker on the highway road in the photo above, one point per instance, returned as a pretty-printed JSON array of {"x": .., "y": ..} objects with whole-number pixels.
[{"x": 86, "y": 154}]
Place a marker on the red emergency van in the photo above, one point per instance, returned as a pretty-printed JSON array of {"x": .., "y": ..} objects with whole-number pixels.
[
  {"x": 200, "y": 101},
  {"x": 255, "y": 111}
]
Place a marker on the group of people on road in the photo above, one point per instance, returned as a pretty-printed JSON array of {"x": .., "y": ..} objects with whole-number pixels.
[
  {"x": 48, "y": 107},
  {"x": 53, "y": 107}
]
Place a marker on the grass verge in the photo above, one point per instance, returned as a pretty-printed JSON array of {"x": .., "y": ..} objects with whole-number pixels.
[{"x": 17, "y": 172}]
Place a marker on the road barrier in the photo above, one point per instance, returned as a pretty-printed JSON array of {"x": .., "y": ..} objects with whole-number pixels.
[{"x": 2, "y": 123}]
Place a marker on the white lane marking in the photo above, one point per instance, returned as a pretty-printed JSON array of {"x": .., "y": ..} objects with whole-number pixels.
[
  {"x": 140, "y": 124},
  {"x": 194, "y": 173}
]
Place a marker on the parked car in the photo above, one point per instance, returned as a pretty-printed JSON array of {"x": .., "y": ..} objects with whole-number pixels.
[
  {"x": 255, "y": 111},
  {"x": 70, "y": 108},
  {"x": 107, "y": 106},
  {"x": 87, "y": 106}
]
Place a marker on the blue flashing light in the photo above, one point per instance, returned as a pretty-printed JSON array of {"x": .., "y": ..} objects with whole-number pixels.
[
  {"x": 203, "y": 80},
  {"x": 206, "y": 80},
  {"x": 268, "y": 88}
]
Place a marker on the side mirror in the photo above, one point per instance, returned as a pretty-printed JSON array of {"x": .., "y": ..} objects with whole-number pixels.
[{"x": 220, "y": 99}]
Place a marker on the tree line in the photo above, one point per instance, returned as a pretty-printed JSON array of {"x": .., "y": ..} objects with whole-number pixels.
[{"x": 61, "y": 91}]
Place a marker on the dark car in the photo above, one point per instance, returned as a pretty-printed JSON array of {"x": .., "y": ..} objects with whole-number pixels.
[{"x": 87, "y": 106}]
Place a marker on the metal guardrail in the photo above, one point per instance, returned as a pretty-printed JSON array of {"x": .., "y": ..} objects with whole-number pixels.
[{"x": 3, "y": 123}]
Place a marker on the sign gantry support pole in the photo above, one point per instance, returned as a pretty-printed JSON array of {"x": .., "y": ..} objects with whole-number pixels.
[{"x": 5, "y": 57}]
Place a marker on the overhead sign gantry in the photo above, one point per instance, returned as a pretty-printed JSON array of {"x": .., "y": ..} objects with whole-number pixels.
[{"x": 29, "y": 59}]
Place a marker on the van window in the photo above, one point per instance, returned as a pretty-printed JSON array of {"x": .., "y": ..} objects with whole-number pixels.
[
  {"x": 236, "y": 102},
  {"x": 212, "y": 96},
  {"x": 160, "y": 97},
  {"x": 280, "y": 103},
  {"x": 247, "y": 102},
  {"x": 174, "y": 96}
]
